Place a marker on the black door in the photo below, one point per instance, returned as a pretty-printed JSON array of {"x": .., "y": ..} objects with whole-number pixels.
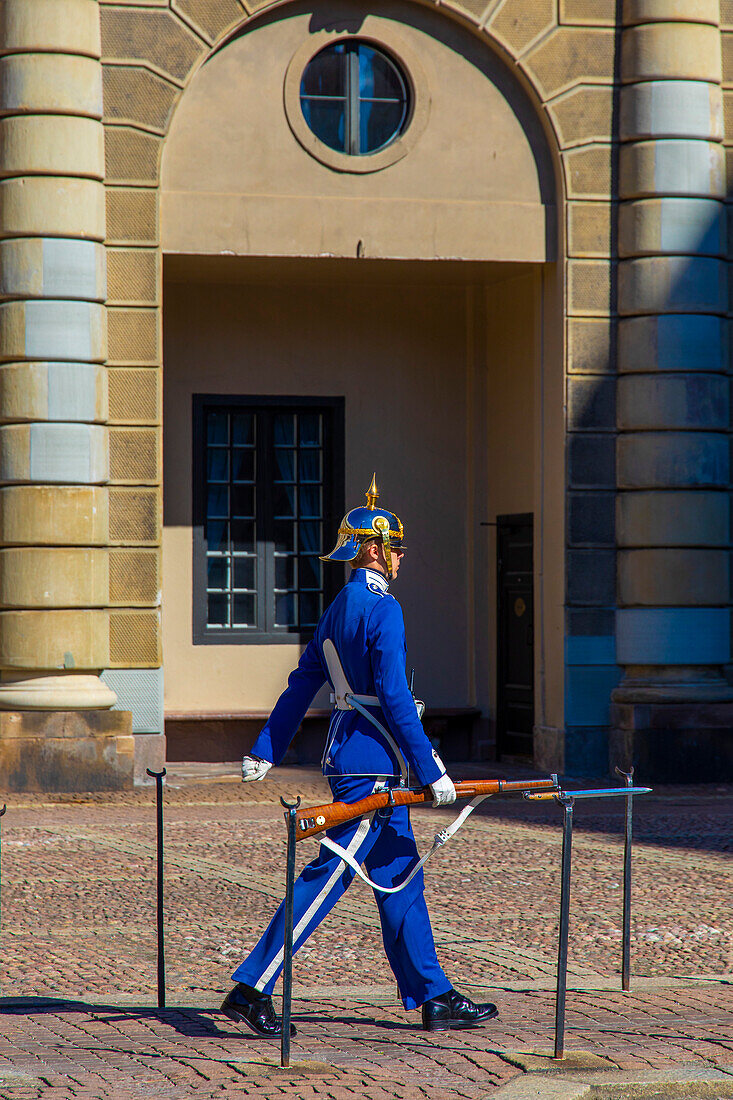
[{"x": 515, "y": 641}]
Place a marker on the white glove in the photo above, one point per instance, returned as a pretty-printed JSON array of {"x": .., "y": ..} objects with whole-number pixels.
[
  {"x": 443, "y": 790},
  {"x": 254, "y": 768}
]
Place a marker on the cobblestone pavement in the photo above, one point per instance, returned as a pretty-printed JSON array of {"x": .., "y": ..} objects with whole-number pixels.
[{"x": 77, "y": 959}]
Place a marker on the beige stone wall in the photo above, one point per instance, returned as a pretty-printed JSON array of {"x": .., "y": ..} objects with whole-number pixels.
[
  {"x": 439, "y": 398},
  {"x": 562, "y": 54}
]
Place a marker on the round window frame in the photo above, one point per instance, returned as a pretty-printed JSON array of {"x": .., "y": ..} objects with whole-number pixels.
[{"x": 397, "y": 51}]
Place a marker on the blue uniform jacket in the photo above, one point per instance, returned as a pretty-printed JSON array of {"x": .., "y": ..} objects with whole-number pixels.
[{"x": 366, "y": 626}]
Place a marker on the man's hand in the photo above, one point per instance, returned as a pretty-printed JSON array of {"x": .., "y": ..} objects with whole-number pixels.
[
  {"x": 443, "y": 790},
  {"x": 255, "y": 768}
]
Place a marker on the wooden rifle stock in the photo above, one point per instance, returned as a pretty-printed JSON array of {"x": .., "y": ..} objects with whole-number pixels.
[{"x": 312, "y": 820}]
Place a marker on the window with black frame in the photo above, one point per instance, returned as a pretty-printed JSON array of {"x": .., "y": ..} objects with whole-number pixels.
[{"x": 266, "y": 494}]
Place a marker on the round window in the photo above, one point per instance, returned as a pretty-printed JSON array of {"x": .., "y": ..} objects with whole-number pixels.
[{"x": 354, "y": 98}]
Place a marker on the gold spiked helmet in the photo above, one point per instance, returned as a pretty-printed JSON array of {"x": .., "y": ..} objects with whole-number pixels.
[{"x": 364, "y": 523}]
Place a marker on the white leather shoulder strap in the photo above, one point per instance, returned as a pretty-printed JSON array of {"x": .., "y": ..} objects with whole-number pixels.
[{"x": 341, "y": 685}]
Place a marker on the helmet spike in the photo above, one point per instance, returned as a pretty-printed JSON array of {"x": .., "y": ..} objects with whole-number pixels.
[{"x": 372, "y": 494}]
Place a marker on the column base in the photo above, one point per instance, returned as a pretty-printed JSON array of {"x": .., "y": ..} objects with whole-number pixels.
[
  {"x": 55, "y": 692},
  {"x": 70, "y": 751},
  {"x": 672, "y": 740}
]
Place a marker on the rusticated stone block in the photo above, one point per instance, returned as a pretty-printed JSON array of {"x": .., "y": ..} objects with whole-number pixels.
[
  {"x": 519, "y": 23},
  {"x": 133, "y": 94},
  {"x": 687, "y": 11},
  {"x": 211, "y": 17},
  {"x": 133, "y": 276},
  {"x": 667, "y": 460},
  {"x": 132, "y": 216},
  {"x": 590, "y": 519},
  {"x": 672, "y": 284},
  {"x": 50, "y": 82},
  {"x": 57, "y": 515},
  {"x": 588, "y": 172},
  {"x": 89, "y": 750},
  {"x": 591, "y": 403},
  {"x": 591, "y": 461},
  {"x": 134, "y": 395},
  {"x": 589, "y": 287},
  {"x": 569, "y": 56},
  {"x": 677, "y": 518},
  {"x": 42, "y": 205},
  {"x": 51, "y": 145},
  {"x": 134, "y": 639},
  {"x": 130, "y": 156},
  {"x": 590, "y": 346},
  {"x": 650, "y": 401},
  {"x": 137, "y": 34},
  {"x": 587, "y": 13},
  {"x": 133, "y": 335},
  {"x": 39, "y": 576},
  {"x": 135, "y": 516},
  {"x": 687, "y": 51},
  {"x": 134, "y": 454},
  {"x": 673, "y": 577},
  {"x": 584, "y": 114},
  {"x": 134, "y": 578},
  {"x": 63, "y": 26}
]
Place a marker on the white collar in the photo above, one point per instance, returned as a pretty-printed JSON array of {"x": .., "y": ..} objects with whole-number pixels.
[{"x": 373, "y": 576}]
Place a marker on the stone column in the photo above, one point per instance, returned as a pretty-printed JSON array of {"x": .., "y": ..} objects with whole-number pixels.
[
  {"x": 672, "y": 712},
  {"x": 54, "y": 452}
]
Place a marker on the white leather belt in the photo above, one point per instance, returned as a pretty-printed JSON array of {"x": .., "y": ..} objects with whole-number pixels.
[{"x": 344, "y": 702}]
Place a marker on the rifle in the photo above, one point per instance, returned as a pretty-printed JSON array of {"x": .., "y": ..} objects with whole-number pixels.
[{"x": 312, "y": 820}]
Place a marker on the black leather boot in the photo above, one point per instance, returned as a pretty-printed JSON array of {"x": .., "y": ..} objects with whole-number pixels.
[
  {"x": 452, "y": 1009},
  {"x": 255, "y": 1009}
]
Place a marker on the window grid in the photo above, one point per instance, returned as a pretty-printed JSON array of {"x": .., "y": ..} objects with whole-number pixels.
[{"x": 263, "y": 503}]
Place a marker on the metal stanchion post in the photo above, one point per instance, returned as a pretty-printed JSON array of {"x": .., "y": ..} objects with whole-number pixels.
[
  {"x": 626, "y": 950},
  {"x": 288, "y": 944},
  {"x": 562, "y": 947},
  {"x": 158, "y": 776}
]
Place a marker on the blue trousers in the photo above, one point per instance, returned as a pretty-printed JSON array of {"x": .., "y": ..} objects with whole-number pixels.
[{"x": 385, "y": 845}]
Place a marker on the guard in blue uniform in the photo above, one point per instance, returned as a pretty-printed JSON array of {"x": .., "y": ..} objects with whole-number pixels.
[{"x": 375, "y": 740}]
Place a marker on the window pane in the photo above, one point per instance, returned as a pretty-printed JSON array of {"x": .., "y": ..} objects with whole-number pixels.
[
  {"x": 243, "y": 464},
  {"x": 285, "y": 609},
  {"x": 217, "y": 427},
  {"x": 284, "y": 429},
  {"x": 243, "y": 428},
  {"x": 283, "y": 501},
  {"x": 217, "y": 573},
  {"x": 217, "y": 464},
  {"x": 284, "y": 464},
  {"x": 243, "y": 500},
  {"x": 245, "y": 609},
  {"x": 218, "y": 609},
  {"x": 310, "y": 537},
  {"x": 310, "y": 608},
  {"x": 327, "y": 119},
  {"x": 378, "y": 122},
  {"x": 285, "y": 572},
  {"x": 217, "y": 501},
  {"x": 284, "y": 534},
  {"x": 310, "y": 429},
  {"x": 310, "y": 572},
  {"x": 310, "y": 502},
  {"x": 309, "y": 465},
  {"x": 244, "y": 572},
  {"x": 217, "y": 534},
  {"x": 325, "y": 74},
  {"x": 243, "y": 534},
  {"x": 378, "y": 77}
]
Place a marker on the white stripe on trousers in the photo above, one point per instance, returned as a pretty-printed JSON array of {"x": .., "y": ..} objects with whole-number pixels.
[{"x": 354, "y": 845}]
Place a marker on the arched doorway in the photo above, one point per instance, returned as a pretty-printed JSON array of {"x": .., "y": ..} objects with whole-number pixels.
[{"x": 411, "y": 304}]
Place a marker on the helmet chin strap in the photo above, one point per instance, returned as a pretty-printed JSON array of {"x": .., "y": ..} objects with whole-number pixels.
[{"x": 382, "y": 526}]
